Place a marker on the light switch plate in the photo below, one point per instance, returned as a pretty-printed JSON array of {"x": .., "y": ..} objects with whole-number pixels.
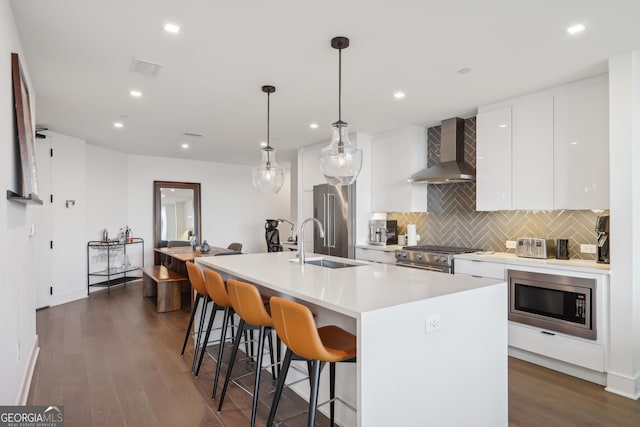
[{"x": 510, "y": 244}]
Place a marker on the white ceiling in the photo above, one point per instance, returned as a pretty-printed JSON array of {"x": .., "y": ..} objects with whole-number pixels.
[{"x": 79, "y": 55}]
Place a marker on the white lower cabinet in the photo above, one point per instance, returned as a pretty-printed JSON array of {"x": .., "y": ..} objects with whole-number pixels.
[
  {"x": 375, "y": 255},
  {"x": 575, "y": 351},
  {"x": 492, "y": 270},
  {"x": 573, "y": 355}
]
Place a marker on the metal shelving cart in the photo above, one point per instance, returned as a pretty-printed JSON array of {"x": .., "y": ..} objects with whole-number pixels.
[{"x": 114, "y": 263}]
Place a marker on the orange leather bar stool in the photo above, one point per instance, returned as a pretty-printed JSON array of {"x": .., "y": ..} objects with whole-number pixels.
[
  {"x": 296, "y": 327},
  {"x": 249, "y": 305},
  {"x": 197, "y": 282},
  {"x": 217, "y": 290}
]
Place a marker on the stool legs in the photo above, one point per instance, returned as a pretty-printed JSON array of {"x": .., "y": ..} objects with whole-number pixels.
[
  {"x": 283, "y": 375},
  {"x": 202, "y": 316},
  {"x": 262, "y": 331},
  {"x": 214, "y": 310},
  {"x": 193, "y": 314},
  {"x": 313, "y": 397},
  {"x": 228, "y": 313},
  {"x": 332, "y": 391}
]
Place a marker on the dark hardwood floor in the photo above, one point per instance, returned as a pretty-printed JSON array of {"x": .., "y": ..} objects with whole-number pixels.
[{"x": 111, "y": 360}]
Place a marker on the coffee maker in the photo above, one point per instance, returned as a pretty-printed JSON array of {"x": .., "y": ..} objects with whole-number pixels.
[
  {"x": 378, "y": 232},
  {"x": 602, "y": 230}
]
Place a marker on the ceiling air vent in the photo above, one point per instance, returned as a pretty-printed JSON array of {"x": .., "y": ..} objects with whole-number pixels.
[
  {"x": 193, "y": 134},
  {"x": 145, "y": 67}
]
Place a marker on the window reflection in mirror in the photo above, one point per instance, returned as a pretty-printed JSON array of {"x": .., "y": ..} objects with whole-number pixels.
[{"x": 176, "y": 212}]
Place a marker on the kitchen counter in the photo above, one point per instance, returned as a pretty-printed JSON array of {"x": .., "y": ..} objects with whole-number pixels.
[
  {"x": 585, "y": 266},
  {"x": 421, "y": 336},
  {"x": 385, "y": 248}
]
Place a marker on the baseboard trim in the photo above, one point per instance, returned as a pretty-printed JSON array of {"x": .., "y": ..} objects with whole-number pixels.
[
  {"x": 68, "y": 297},
  {"x": 560, "y": 366},
  {"x": 25, "y": 385},
  {"x": 624, "y": 385}
]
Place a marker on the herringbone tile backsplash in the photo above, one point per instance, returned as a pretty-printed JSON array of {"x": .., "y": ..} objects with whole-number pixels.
[{"x": 453, "y": 221}]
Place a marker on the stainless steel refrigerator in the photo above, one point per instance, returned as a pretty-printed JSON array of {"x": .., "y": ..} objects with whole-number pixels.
[{"x": 335, "y": 208}]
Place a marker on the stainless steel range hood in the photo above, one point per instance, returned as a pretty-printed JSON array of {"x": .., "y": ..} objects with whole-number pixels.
[{"x": 452, "y": 167}]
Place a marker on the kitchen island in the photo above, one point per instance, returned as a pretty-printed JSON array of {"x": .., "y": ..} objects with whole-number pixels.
[{"x": 432, "y": 347}]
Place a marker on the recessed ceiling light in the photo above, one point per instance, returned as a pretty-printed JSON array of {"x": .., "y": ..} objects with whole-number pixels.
[
  {"x": 573, "y": 143},
  {"x": 135, "y": 93},
  {"x": 171, "y": 28},
  {"x": 399, "y": 95},
  {"x": 118, "y": 124},
  {"x": 313, "y": 126},
  {"x": 185, "y": 146},
  {"x": 263, "y": 144},
  {"x": 464, "y": 70},
  {"x": 173, "y": 189},
  {"x": 502, "y": 126},
  {"x": 575, "y": 29}
]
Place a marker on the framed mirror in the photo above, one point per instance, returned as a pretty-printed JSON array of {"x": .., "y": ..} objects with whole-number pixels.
[{"x": 176, "y": 212}]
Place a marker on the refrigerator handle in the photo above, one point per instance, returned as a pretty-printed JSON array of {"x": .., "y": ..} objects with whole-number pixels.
[
  {"x": 331, "y": 218},
  {"x": 325, "y": 219}
]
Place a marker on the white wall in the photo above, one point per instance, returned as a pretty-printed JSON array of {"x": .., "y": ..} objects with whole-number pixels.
[
  {"x": 232, "y": 210},
  {"x": 107, "y": 190},
  {"x": 624, "y": 155},
  {"x": 17, "y": 249}
]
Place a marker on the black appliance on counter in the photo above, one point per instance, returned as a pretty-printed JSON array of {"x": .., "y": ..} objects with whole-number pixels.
[
  {"x": 392, "y": 232},
  {"x": 433, "y": 258},
  {"x": 602, "y": 230}
]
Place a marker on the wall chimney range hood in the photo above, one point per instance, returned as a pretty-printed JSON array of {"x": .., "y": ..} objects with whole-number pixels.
[{"x": 452, "y": 167}]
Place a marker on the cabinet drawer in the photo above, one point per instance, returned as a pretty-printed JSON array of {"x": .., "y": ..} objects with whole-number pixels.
[
  {"x": 387, "y": 257},
  {"x": 479, "y": 268},
  {"x": 559, "y": 347}
]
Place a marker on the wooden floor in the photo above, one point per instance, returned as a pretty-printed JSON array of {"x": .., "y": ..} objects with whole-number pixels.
[{"x": 111, "y": 360}]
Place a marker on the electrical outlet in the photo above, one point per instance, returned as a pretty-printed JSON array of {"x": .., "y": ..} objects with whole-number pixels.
[
  {"x": 588, "y": 249},
  {"x": 432, "y": 323},
  {"x": 510, "y": 244}
]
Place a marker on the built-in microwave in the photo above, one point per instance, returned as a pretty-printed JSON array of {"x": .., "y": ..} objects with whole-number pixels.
[{"x": 559, "y": 303}]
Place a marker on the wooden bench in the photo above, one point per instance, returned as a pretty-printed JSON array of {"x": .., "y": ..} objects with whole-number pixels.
[{"x": 165, "y": 285}]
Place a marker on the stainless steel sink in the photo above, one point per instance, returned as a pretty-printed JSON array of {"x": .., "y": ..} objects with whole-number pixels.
[{"x": 330, "y": 264}]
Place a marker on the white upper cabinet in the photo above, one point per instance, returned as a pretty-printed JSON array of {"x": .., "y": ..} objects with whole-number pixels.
[
  {"x": 581, "y": 136},
  {"x": 493, "y": 161},
  {"x": 532, "y": 154},
  {"x": 395, "y": 156},
  {"x": 547, "y": 150}
]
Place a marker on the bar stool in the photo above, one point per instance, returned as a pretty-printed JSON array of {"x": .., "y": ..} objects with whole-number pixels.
[
  {"x": 197, "y": 283},
  {"x": 249, "y": 305},
  {"x": 217, "y": 290},
  {"x": 296, "y": 327}
]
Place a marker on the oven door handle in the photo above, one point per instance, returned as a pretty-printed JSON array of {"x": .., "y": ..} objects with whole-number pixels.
[{"x": 425, "y": 267}]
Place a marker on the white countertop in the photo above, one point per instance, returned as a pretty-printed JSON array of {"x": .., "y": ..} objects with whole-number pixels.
[
  {"x": 352, "y": 290},
  {"x": 385, "y": 248},
  {"x": 586, "y": 266}
]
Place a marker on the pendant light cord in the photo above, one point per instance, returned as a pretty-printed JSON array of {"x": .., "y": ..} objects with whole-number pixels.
[
  {"x": 339, "y": 85},
  {"x": 268, "y": 129}
]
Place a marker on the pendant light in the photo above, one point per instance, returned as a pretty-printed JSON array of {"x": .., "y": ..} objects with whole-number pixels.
[
  {"x": 268, "y": 177},
  {"x": 341, "y": 160}
]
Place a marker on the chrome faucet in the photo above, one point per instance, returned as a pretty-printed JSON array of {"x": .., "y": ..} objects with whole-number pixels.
[{"x": 301, "y": 242}]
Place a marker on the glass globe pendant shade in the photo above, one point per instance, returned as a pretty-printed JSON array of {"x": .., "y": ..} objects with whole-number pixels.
[
  {"x": 268, "y": 176},
  {"x": 341, "y": 160}
]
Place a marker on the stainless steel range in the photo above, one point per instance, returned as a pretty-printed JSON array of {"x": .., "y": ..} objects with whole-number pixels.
[{"x": 434, "y": 258}]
